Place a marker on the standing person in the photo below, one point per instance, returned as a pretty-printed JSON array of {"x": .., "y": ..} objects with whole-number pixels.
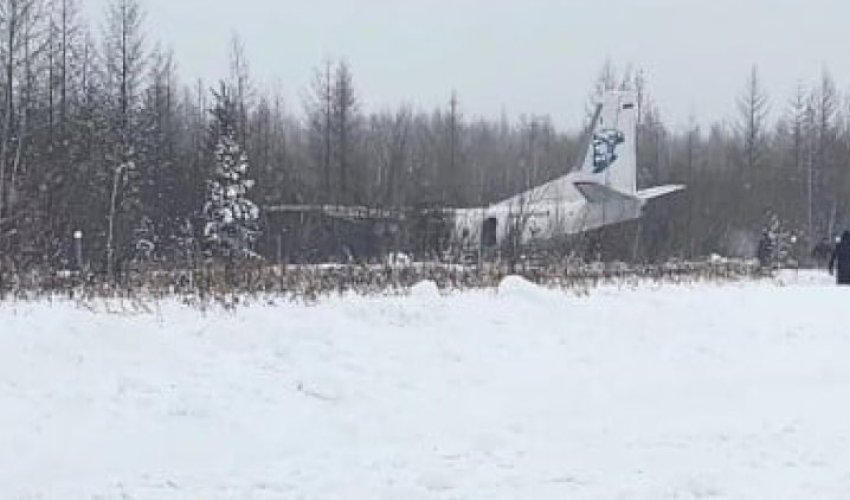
[
  {"x": 764, "y": 252},
  {"x": 839, "y": 263}
]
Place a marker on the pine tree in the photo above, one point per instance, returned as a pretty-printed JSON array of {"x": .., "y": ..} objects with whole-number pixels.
[
  {"x": 231, "y": 219},
  {"x": 160, "y": 181}
]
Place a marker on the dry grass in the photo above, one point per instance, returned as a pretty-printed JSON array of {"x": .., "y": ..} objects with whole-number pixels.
[{"x": 232, "y": 285}]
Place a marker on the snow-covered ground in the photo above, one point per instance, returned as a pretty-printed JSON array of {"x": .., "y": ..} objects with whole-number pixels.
[{"x": 733, "y": 391}]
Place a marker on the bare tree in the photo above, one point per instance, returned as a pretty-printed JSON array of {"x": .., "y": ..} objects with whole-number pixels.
[
  {"x": 753, "y": 110},
  {"x": 824, "y": 169},
  {"x": 390, "y": 148},
  {"x": 18, "y": 27},
  {"x": 125, "y": 62},
  {"x": 752, "y": 133},
  {"x": 346, "y": 123},
  {"x": 319, "y": 106},
  {"x": 240, "y": 86}
]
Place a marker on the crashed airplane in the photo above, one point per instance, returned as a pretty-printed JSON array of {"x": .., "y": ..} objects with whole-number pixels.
[{"x": 601, "y": 192}]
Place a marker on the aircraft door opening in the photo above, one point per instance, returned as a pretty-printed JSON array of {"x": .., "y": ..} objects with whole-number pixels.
[{"x": 489, "y": 238}]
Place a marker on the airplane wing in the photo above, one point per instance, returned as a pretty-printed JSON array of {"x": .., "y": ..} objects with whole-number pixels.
[
  {"x": 358, "y": 212},
  {"x": 337, "y": 211}
]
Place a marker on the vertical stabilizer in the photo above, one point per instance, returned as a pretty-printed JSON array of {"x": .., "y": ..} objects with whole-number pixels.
[{"x": 611, "y": 155}]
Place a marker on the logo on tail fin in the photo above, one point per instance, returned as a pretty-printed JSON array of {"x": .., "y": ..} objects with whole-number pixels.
[{"x": 605, "y": 144}]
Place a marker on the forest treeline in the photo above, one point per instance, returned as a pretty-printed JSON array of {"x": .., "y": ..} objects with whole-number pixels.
[{"x": 99, "y": 134}]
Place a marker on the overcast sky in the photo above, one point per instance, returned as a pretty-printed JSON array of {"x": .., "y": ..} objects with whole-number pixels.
[{"x": 516, "y": 56}]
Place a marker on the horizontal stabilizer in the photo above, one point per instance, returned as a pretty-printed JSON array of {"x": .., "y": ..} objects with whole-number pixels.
[
  {"x": 659, "y": 191},
  {"x": 594, "y": 192}
]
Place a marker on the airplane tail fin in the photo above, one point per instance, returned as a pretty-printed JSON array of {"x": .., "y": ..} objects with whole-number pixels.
[{"x": 611, "y": 157}]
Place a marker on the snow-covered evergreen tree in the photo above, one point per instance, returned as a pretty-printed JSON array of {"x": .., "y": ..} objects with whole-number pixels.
[
  {"x": 231, "y": 220},
  {"x": 776, "y": 246}
]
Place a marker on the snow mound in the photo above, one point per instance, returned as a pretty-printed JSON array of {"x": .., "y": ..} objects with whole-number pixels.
[
  {"x": 425, "y": 290},
  {"x": 517, "y": 287},
  {"x": 717, "y": 259},
  {"x": 398, "y": 259},
  {"x": 788, "y": 277}
]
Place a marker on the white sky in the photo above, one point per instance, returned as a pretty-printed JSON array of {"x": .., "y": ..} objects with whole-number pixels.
[{"x": 520, "y": 56}]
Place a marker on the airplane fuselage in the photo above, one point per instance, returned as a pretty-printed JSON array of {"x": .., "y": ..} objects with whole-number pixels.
[{"x": 549, "y": 212}]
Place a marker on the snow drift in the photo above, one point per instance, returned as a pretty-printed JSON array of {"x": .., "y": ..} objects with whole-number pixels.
[{"x": 734, "y": 391}]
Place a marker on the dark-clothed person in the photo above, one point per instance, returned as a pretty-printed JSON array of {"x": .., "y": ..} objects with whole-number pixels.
[{"x": 839, "y": 263}]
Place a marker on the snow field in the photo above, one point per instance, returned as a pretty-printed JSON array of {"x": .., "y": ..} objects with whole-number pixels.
[{"x": 712, "y": 391}]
